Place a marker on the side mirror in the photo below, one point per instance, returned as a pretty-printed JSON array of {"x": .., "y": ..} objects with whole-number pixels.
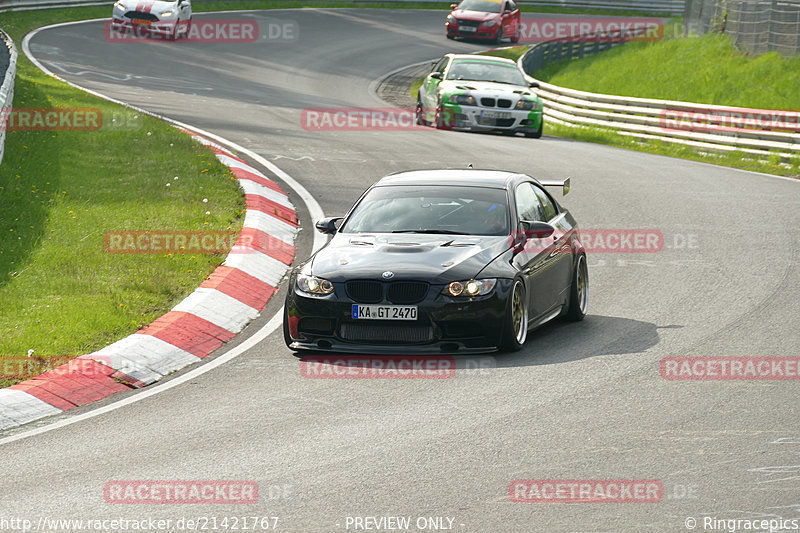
[
  {"x": 453, "y": 6},
  {"x": 536, "y": 229},
  {"x": 328, "y": 225},
  {"x": 436, "y": 75}
]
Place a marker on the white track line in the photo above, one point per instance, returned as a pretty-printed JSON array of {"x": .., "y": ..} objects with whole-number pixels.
[{"x": 314, "y": 210}]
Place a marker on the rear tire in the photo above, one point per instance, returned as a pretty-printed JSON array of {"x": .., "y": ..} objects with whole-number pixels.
[
  {"x": 579, "y": 292},
  {"x": 515, "y": 325}
]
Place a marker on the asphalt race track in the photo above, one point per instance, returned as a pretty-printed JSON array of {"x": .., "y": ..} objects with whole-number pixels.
[{"x": 581, "y": 401}]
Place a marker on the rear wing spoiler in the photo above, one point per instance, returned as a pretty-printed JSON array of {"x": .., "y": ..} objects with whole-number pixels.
[{"x": 564, "y": 184}]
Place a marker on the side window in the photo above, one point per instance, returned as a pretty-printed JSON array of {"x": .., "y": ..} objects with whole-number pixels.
[
  {"x": 441, "y": 65},
  {"x": 548, "y": 208},
  {"x": 528, "y": 205},
  {"x": 511, "y": 6}
]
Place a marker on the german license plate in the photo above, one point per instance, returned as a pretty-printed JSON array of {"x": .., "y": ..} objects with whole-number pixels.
[
  {"x": 495, "y": 114},
  {"x": 467, "y": 29},
  {"x": 385, "y": 312},
  {"x": 141, "y": 22}
]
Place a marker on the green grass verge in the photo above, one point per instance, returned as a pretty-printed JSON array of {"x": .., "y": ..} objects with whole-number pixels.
[
  {"x": 61, "y": 294},
  {"x": 707, "y": 69}
]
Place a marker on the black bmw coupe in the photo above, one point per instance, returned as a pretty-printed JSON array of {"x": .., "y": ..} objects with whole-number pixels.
[{"x": 440, "y": 261}]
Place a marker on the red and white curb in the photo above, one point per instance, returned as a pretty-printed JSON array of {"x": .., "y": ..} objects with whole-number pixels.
[{"x": 233, "y": 295}]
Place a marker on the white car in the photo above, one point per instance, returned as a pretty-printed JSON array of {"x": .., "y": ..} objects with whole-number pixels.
[
  {"x": 168, "y": 18},
  {"x": 480, "y": 93}
]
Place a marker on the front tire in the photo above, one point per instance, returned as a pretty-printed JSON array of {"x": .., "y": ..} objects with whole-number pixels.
[
  {"x": 515, "y": 327},
  {"x": 420, "y": 112},
  {"x": 443, "y": 118},
  {"x": 538, "y": 133},
  {"x": 286, "y": 337},
  {"x": 188, "y": 28},
  {"x": 499, "y": 35},
  {"x": 579, "y": 291}
]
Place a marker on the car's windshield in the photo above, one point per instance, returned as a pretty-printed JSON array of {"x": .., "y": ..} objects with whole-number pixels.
[
  {"x": 490, "y": 6},
  {"x": 469, "y": 69},
  {"x": 456, "y": 210}
]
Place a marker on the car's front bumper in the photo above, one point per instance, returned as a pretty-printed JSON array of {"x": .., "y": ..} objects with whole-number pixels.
[
  {"x": 443, "y": 325},
  {"x": 166, "y": 27},
  {"x": 482, "y": 32},
  {"x": 477, "y": 118}
]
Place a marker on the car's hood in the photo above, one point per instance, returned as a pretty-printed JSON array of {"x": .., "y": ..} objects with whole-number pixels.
[
  {"x": 146, "y": 6},
  {"x": 468, "y": 14},
  {"x": 433, "y": 258},
  {"x": 483, "y": 87}
]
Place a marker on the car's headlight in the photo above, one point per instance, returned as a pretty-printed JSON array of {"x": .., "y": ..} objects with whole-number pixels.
[
  {"x": 450, "y": 18},
  {"x": 314, "y": 285},
  {"x": 490, "y": 23},
  {"x": 527, "y": 104},
  {"x": 473, "y": 287},
  {"x": 168, "y": 13},
  {"x": 463, "y": 99}
]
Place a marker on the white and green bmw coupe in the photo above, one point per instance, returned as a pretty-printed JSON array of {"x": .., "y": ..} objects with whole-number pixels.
[{"x": 479, "y": 93}]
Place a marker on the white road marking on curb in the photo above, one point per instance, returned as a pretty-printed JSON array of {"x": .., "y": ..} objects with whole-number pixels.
[
  {"x": 218, "y": 308},
  {"x": 269, "y": 224},
  {"x": 251, "y": 187},
  {"x": 143, "y": 357},
  {"x": 19, "y": 407},
  {"x": 258, "y": 265},
  {"x": 319, "y": 240}
]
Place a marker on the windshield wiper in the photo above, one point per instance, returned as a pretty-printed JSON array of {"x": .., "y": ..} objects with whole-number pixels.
[
  {"x": 430, "y": 231},
  {"x": 506, "y": 82}
]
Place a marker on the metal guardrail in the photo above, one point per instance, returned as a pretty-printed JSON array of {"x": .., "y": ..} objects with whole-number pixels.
[
  {"x": 29, "y": 5},
  {"x": 671, "y": 7},
  {"x": 754, "y": 131},
  {"x": 7, "y": 88},
  {"x": 758, "y": 26}
]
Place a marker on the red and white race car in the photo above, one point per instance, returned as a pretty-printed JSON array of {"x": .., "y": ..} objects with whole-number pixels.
[{"x": 168, "y": 18}]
